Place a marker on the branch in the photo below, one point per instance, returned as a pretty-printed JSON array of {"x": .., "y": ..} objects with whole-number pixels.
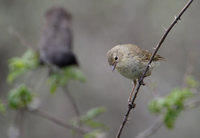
[
  {"x": 152, "y": 129},
  {"x": 59, "y": 122},
  {"x": 72, "y": 100},
  {"x": 22, "y": 40},
  {"x": 192, "y": 104},
  {"x": 132, "y": 104},
  {"x": 19, "y": 118}
]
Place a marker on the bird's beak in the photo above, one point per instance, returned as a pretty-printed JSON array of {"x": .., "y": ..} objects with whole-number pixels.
[{"x": 114, "y": 66}]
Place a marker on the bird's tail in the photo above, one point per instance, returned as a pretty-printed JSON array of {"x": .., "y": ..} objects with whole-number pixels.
[{"x": 158, "y": 57}]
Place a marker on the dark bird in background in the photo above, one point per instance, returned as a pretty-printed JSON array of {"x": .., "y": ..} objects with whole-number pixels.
[{"x": 57, "y": 39}]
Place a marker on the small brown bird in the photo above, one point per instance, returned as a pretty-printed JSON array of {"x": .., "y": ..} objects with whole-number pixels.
[
  {"x": 131, "y": 61},
  {"x": 56, "y": 40}
]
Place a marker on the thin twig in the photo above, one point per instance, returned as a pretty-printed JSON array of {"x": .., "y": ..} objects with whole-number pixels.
[
  {"x": 58, "y": 122},
  {"x": 132, "y": 105},
  {"x": 18, "y": 124},
  {"x": 22, "y": 40},
  {"x": 72, "y": 100},
  {"x": 152, "y": 129},
  {"x": 192, "y": 104},
  {"x": 189, "y": 67}
]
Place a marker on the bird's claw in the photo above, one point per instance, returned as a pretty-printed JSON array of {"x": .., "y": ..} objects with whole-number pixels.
[
  {"x": 142, "y": 83},
  {"x": 131, "y": 105}
]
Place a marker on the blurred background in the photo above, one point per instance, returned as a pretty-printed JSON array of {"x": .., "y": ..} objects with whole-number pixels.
[{"x": 99, "y": 25}]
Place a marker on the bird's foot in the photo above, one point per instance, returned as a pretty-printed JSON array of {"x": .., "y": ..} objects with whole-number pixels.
[
  {"x": 131, "y": 105},
  {"x": 142, "y": 83}
]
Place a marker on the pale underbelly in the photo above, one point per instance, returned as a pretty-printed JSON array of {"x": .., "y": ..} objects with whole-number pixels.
[{"x": 133, "y": 72}]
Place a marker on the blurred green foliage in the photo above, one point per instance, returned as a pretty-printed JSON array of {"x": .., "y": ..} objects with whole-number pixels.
[
  {"x": 94, "y": 134},
  {"x": 20, "y": 65},
  {"x": 170, "y": 106},
  {"x": 191, "y": 82},
  {"x": 93, "y": 113},
  {"x": 88, "y": 119},
  {"x": 20, "y": 97},
  {"x": 63, "y": 76},
  {"x": 2, "y": 108}
]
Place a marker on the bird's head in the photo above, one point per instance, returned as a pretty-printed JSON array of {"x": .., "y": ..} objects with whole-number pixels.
[{"x": 115, "y": 56}]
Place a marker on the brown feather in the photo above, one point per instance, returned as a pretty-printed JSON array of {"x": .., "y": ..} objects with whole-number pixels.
[{"x": 144, "y": 54}]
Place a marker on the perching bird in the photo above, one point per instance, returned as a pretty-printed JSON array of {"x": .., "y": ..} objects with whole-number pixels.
[
  {"x": 131, "y": 61},
  {"x": 56, "y": 39}
]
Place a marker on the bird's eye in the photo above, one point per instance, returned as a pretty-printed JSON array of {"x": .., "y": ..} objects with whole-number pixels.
[{"x": 116, "y": 58}]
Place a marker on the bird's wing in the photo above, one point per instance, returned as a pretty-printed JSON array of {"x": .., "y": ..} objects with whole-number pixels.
[{"x": 145, "y": 55}]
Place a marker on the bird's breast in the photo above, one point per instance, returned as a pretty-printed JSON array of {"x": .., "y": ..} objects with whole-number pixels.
[{"x": 132, "y": 69}]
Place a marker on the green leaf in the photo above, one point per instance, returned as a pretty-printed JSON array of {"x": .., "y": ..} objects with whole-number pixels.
[
  {"x": 95, "y": 124},
  {"x": 191, "y": 82},
  {"x": 154, "y": 106},
  {"x": 97, "y": 128},
  {"x": 95, "y": 134},
  {"x": 63, "y": 76},
  {"x": 20, "y": 97},
  {"x": 20, "y": 65},
  {"x": 92, "y": 113},
  {"x": 170, "y": 117},
  {"x": 88, "y": 119},
  {"x": 2, "y": 108},
  {"x": 90, "y": 135},
  {"x": 53, "y": 88},
  {"x": 171, "y": 105},
  {"x": 73, "y": 72}
]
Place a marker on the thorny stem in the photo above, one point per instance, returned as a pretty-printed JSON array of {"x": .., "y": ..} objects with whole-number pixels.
[
  {"x": 191, "y": 104},
  {"x": 132, "y": 105}
]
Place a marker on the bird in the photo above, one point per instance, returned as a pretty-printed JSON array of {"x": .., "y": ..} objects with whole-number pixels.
[
  {"x": 131, "y": 61},
  {"x": 56, "y": 42}
]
